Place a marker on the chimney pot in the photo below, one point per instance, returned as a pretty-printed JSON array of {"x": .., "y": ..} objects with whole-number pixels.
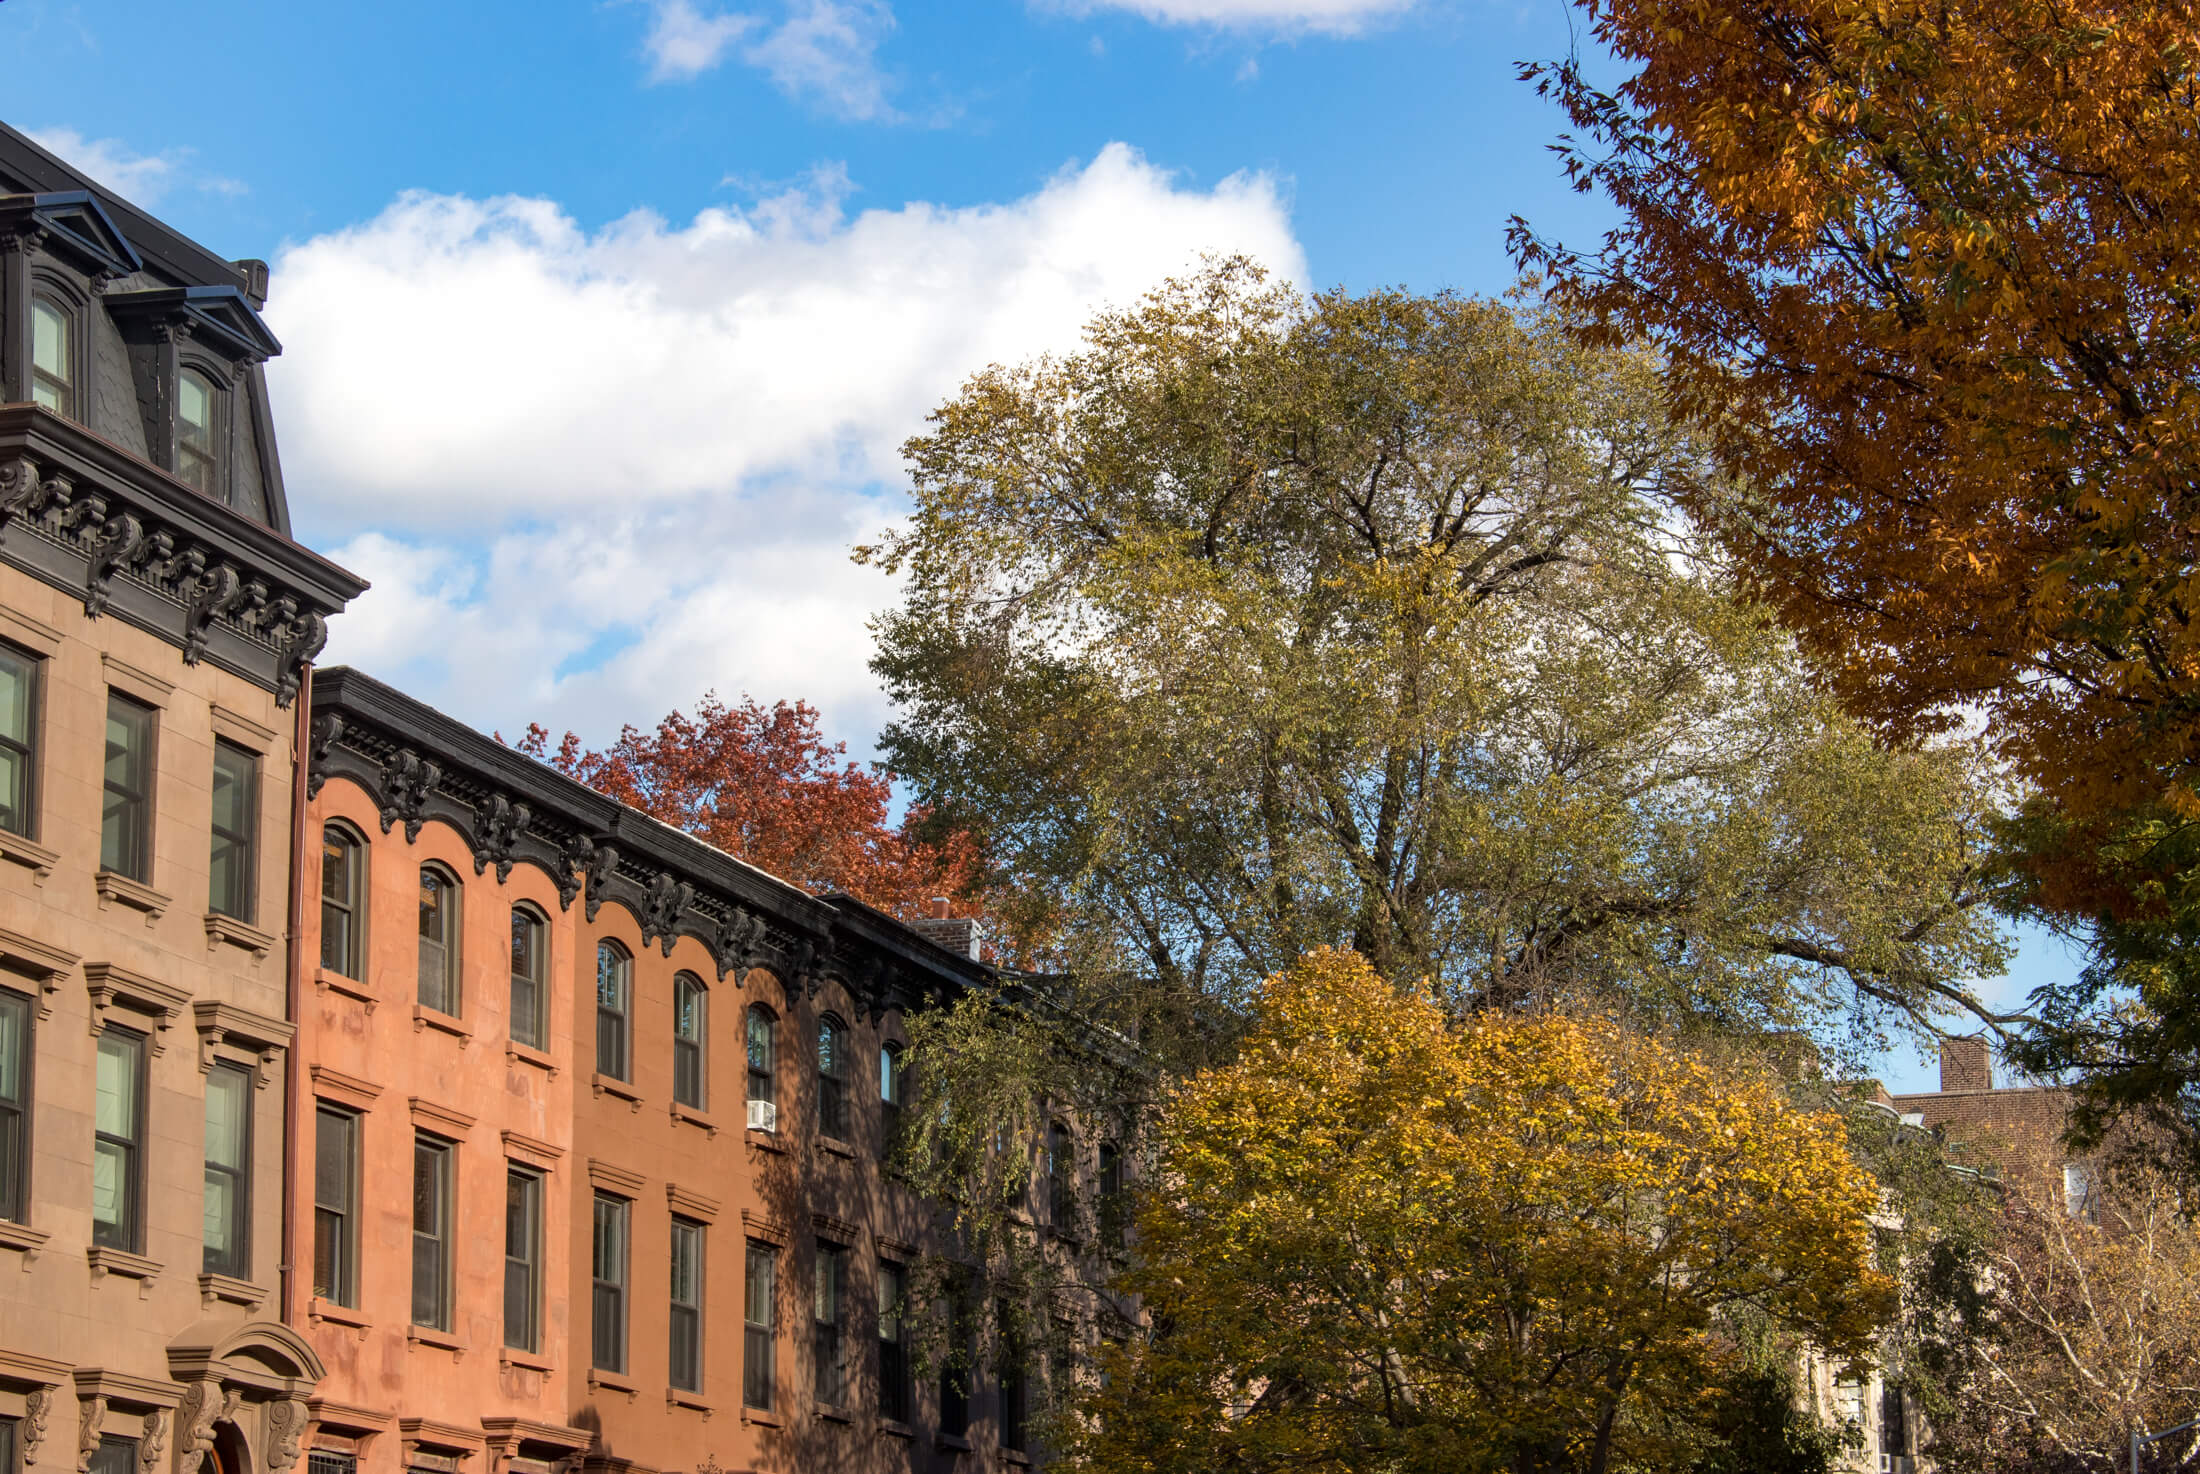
[
  {"x": 940, "y": 908},
  {"x": 1965, "y": 1064}
]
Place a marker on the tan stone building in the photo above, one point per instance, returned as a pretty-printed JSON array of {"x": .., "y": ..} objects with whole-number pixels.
[{"x": 155, "y": 623}]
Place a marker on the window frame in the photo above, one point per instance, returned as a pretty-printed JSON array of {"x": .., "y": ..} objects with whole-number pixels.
[
  {"x": 15, "y": 1114},
  {"x": 128, "y": 1233},
  {"x": 1012, "y": 1381},
  {"x": 25, "y": 750},
  {"x": 691, "y": 1089},
  {"x": 1114, "y": 1217},
  {"x": 443, "y": 1153},
  {"x": 528, "y": 1263},
  {"x": 889, "y": 1096},
  {"x": 214, "y": 454},
  {"x": 537, "y": 1035},
  {"x": 244, "y": 842},
  {"x": 452, "y": 1003},
  {"x": 829, "y": 1324},
  {"x": 609, "y": 1293},
  {"x": 832, "y": 1077},
  {"x": 621, "y": 1019},
  {"x": 343, "y": 1240},
  {"x": 238, "y": 1262},
  {"x": 759, "y": 1325},
  {"x": 352, "y": 907},
  {"x": 138, "y": 802},
  {"x": 895, "y": 1393},
  {"x": 1059, "y": 1159},
  {"x": 959, "y": 1367},
  {"x": 70, "y": 311},
  {"x": 684, "y": 1317},
  {"x": 763, "y": 1077}
]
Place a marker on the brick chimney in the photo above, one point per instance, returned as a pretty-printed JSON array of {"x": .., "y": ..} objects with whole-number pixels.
[{"x": 1965, "y": 1065}]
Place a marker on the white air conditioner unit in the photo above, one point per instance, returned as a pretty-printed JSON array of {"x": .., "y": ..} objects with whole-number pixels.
[{"x": 763, "y": 1115}]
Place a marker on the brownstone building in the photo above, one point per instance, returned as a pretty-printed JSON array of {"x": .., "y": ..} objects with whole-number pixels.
[{"x": 155, "y": 623}]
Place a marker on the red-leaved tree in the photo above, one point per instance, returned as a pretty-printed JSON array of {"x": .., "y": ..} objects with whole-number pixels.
[{"x": 761, "y": 783}]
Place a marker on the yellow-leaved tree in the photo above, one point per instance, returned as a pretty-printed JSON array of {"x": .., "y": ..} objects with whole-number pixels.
[{"x": 1386, "y": 1239}]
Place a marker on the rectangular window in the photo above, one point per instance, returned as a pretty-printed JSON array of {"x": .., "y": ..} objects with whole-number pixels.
[
  {"x": 607, "y": 1335},
  {"x": 438, "y": 941},
  {"x": 957, "y": 1370},
  {"x": 15, "y": 1106},
  {"x": 528, "y": 961},
  {"x": 893, "y": 1343},
  {"x": 759, "y": 1324},
  {"x": 829, "y": 1316},
  {"x": 118, "y": 1127},
  {"x": 329, "y": 1461},
  {"x": 19, "y": 680},
  {"x": 115, "y": 1456},
  {"x": 343, "y": 863},
  {"x": 689, "y": 1003},
  {"x": 522, "y": 1258},
  {"x": 432, "y": 1237},
  {"x": 226, "y": 1233},
  {"x": 126, "y": 820},
  {"x": 1014, "y": 1378},
  {"x": 236, "y": 813},
  {"x": 335, "y": 1200},
  {"x": 53, "y": 355},
  {"x": 614, "y": 987},
  {"x": 9, "y": 1448},
  {"x": 686, "y": 1364}
]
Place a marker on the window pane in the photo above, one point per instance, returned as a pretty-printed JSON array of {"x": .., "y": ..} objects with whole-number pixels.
[
  {"x": 340, "y": 871},
  {"x": 431, "y": 1233},
  {"x": 15, "y": 1060},
  {"x": 612, "y": 987},
  {"x": 522, "y": 1240},
  {"x": 438, "y": 935},
  {"x": 608, "y": 1255},
  {"x": 527, "y": 962},
  {"x": 53, "y": 375},
  {"x": 758, "y": 1328},
  {"x": 236, "y": 783},
  {"x": 687, "y": 1305},
  {"x": 228, "y": 1097},
  {"x": 18, "y": 704},
  {"x": 117, "y": 1106},
  {"x": 123, "y": 816},
  {"x": 194, "y": 408}
]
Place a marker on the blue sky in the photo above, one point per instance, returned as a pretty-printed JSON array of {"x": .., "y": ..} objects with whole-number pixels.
[{"x": 604, "y": 318}]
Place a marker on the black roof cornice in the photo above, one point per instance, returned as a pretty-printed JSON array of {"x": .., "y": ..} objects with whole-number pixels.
[
  {"x": 419, "y": 765},
  {"x": 27, "y": 168}
]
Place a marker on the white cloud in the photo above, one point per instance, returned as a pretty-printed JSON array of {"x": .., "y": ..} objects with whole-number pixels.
[
  {"x": 1339, "y": 17},
  {"x": 548, "y": 445},
  {"x": 142, "y": 179},
  {"x": 825, "y": 51}
]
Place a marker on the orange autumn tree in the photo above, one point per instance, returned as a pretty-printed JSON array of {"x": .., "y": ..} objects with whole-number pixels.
[
  {"x": 761, "y": 783},
  {"x": 1929, "y": 273}
]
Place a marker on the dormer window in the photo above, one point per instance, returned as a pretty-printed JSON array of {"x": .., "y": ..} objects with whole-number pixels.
[
  {"x": 53, "y": 364},
  {"x": 196, "y": 406}
]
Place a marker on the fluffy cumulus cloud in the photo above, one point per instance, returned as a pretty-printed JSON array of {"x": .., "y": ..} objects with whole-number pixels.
[
  {"x": 821, "y": 51},
  {"x": 595, "y": 473},
  {"x": 1336, "y": 17},
  {"x": 141, "y": 178}
]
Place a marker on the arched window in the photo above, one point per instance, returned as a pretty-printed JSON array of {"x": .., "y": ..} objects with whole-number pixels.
[
  {"x": 1061, "y": 1170},
  {"x": 690, "y": 1018},
  {"x": 614, "y": 995},
  {"x": 763, "y": 1087},
  {"x": 1113, "y": 1205},
  {"x": 832, "y": 1078},
  {"x": 438, "y": 940},
  {"x": 889, "y": 1097},
  {"x": 198, "y": 442},
  {"x": 530, "y": 975},
  {"x": 53, "y": 355},
  {"x": 343, "y": 901}
]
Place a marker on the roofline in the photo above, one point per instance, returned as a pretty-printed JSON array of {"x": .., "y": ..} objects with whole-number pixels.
[{"x": 159, "y": 244}]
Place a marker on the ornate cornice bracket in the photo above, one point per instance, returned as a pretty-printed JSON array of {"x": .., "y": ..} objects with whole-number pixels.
[
  {"x": 407, "y": 781},
  {"x": 662, "y": 907},
  {"x": 501, "y": 825}
]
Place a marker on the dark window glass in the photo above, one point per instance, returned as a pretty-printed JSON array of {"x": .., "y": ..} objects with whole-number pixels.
[
  {"x": 893, "y": 1343},
  {"x": 235, "y": 863},
  {"x": 1061, "y": 1168},
  {"x": 829, "y": 1315},
  {"x": 889, "y": 1097},
  {"x": 832, "y": 1078},
  {"x": 763, "y": 1091},
  {"x": 685, "y": 1367},
  {"x": 432, "y": 1237},
  {"x": 690, "y": 1017},
  {"x": 607, "y": 1257},
  {"x": 438, "y": 941},
  {"x": 19, "y": 679},
  {"x": 10, "y": 1459},
  {"x": 335, "y": 1199},
  {"x": 343, "y": 874},
  {"x": 1894, "y": 1422},
  {"x": 957, "y": 1370},
  {"x": 118, "y": 1127},
  {"x": 328, "y": 1461},
  {"x": 522, "y": 1258},
  {"x": 114, "y": 1456},
  {"x": 198, "y": 406},
  {"x": 228, "y": 1214},
  {"x": 759, "y": 1324},
  {"x": 1014, "y": 1378},
  {"x": 614, "y": 989},
  {"x": 126, "y": 820},
  {"x": 1114, "y": 1207},
  {"x": 53, "y": 356},
  {"x": 528, "y": 959},
  {"x": 15, "y": 1106}
]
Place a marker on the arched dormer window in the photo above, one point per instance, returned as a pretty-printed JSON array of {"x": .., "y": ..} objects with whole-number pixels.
[
  {"x": 690, "y": 1021},
  {"x": 198, "y": 432},
  {"x": 439, "y": 940},
  {"x": 614, "y": 997},
  {"x": 53, "y": 355},
  {"x": 832, "y": 1078},
  {"x": 343, "y": 901},
  {"x": 761, "y": 1030},
  {"x": 530, "y": 977}
]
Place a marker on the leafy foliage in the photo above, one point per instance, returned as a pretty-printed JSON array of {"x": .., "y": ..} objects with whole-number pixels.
[{"x": 1383, "y": 1239}]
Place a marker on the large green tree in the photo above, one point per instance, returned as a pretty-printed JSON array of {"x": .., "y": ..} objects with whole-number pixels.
[{"x": 1270, "y": 621}]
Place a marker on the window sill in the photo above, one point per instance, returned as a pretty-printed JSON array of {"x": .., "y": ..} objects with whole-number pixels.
[
  {"x": 106, "y": 1261},
  {"x": 694, "y": 1117},
  {"x": 440, "y": 1340},
  {"x": 827, "y": 1413},
  {"x": 24, "y": 1239},
  {"x": 766, "y": 1141},
  {"x": 34, "y": 857},
  {"x": 425, "y": 1017},
  {"x": 952, "y": 1442},
  {"x": 325, "y": 980},
  {"x": 762, "y": 1417},
  {"x": 601, "y": 1380},
  {"x": 834, "y": 1148},
  {"x": 214, "y": 1288},
  {"x": 530, "y": 1361},
  {"x": 113, "y": 887},
  {"x": 319, "y": 1310},
  {"x": 1015, "y": 1458},
  {"x": 888, "y": 1428},
  {"x": 603, "y": 1085},
  {"x": 525, "y": 1054},
  {"x": 222, "y": 928},
  {"x": 681, "y": 1397}
]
